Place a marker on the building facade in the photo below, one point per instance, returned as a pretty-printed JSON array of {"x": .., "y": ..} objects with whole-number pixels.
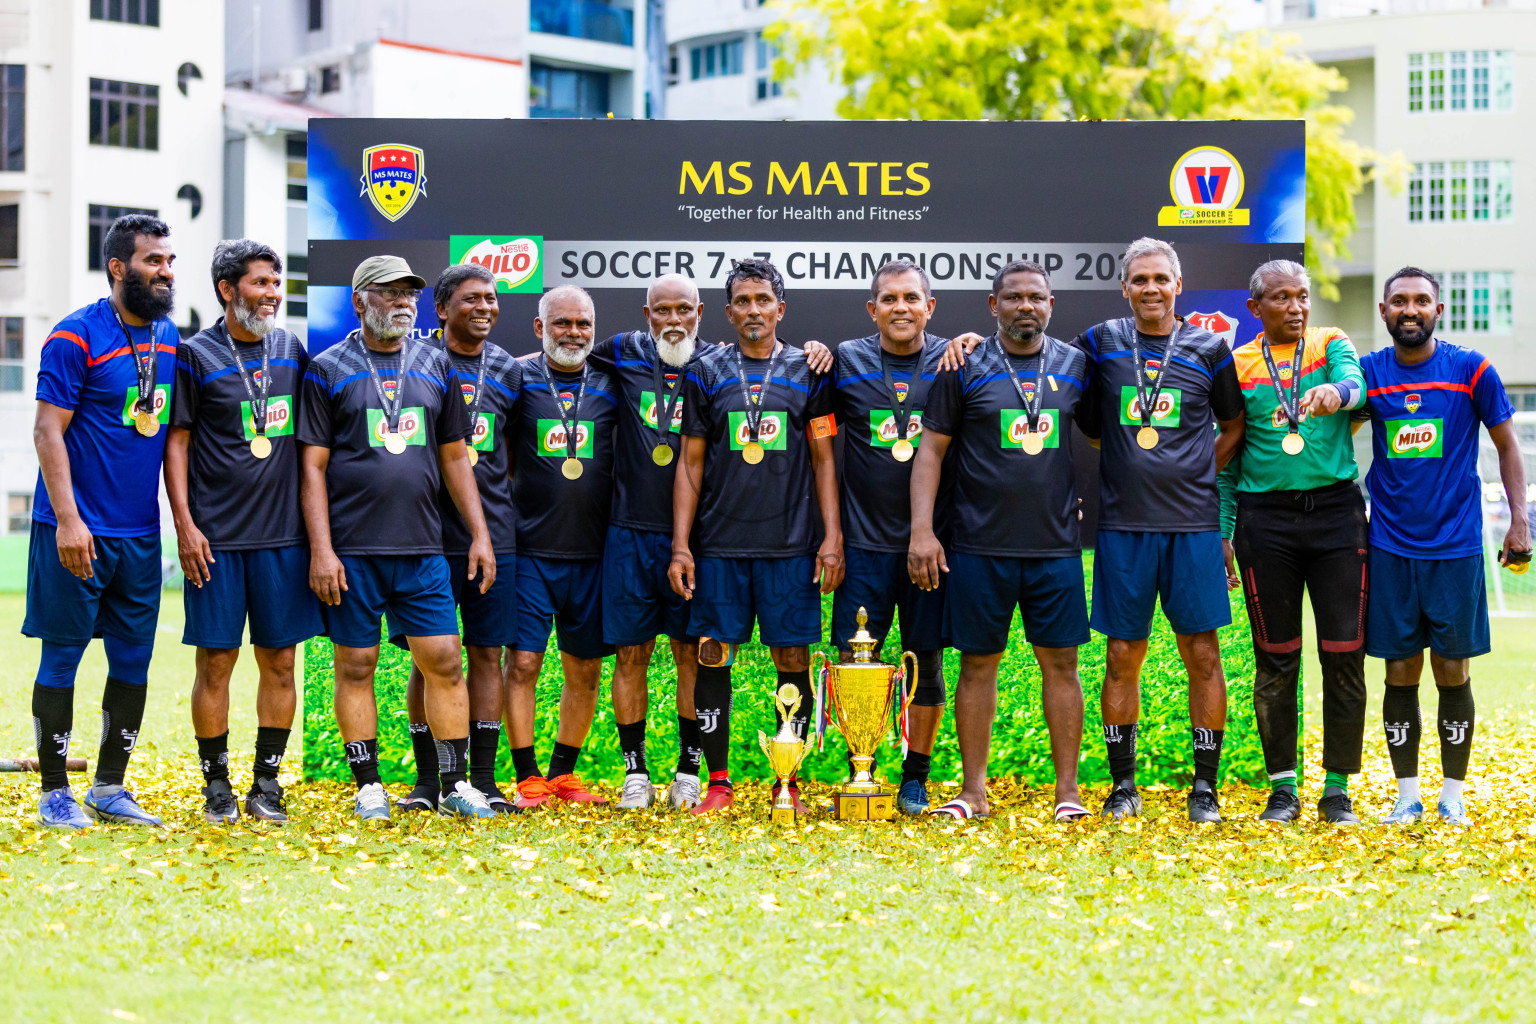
[{"x": 720, "y": 66}]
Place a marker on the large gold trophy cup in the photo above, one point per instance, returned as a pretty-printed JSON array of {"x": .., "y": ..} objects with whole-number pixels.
[
  {"x": 784, "y": 752},
  {"x": 862, "y": 692}
]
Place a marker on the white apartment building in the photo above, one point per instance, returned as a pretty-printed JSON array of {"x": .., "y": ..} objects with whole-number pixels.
[
  {"x": 720, "y": 66},
  {"x": 106, "y": 107},
  {"x": 1451, "y": 87}
]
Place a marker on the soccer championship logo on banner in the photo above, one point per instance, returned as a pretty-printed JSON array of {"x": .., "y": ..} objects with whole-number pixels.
[{"x": 1207, "y": 184}]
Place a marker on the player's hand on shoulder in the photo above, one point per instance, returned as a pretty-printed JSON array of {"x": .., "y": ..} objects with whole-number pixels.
[
  {"x": 958, "y": 348},
  {"x": 818, "y": 357}
]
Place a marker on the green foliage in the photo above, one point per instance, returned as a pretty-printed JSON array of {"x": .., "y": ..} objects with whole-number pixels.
[
  {"x": 1084, "y": 60},
  {"x": 1020, "y": 744}
]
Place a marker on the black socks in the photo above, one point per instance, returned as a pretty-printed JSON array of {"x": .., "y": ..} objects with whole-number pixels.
[
  {"x": 1457, "y": 715},
  {"x": 53, "y": 717},
  {"x": 1120, "y": 743},
  {"x": 712, "y": 701},
  {"x": 562, "y": 761},
  {"x": 690, "y": 749},
  {"x": 484, "y": 738},
  {"x": 632, "y": 746},
  {"x": 363, "y": 759},
  {"x": 524, "y": 764},
  {"x": 271, "y": 745},
  {"x": 425, "y": 749},
  {"x": 122, "y": 713},
  {"x": 1207, "y": 744},
  {"x": 213, "y": 757},
  {"x": 1404, "y": 728},
  {"x": 453, "y": 762},
  {"x": 915, "y": 767}
]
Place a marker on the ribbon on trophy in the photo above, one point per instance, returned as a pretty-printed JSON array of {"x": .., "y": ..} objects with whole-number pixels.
[{"x": 821, "y": 712}]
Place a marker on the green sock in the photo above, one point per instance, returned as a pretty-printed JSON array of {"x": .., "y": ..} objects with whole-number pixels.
[
  {"x": 1335, "y": 780},
  {"x": 1283, "y": 780}
]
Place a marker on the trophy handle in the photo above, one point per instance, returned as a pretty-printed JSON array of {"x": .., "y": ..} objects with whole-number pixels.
[{"x": 906, "y": 698}]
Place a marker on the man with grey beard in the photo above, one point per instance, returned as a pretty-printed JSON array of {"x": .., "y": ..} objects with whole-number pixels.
[
  {"x": 562, "y": 445},
  {"x": 232, "y": 477},
  {"x": 383, "y": 425}
]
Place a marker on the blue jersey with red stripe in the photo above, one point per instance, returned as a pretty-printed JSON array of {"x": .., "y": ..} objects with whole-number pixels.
[
  {"x": 87, "y": 366},
  {"x": 1426, "y": 501}
]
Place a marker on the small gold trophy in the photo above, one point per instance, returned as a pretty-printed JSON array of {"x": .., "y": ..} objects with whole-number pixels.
[
  {"x": 861, "y": 693},
  {"x": 784, "y": 752}
]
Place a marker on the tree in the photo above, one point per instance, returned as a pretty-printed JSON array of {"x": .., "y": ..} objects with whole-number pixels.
[{"x": 1084, "y": 59}]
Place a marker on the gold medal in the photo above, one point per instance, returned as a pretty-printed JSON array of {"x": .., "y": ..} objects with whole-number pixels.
[
  {"x": 394, "y": 443},
  {"x": 146, "y": 423},
  {"x": 1033, "y": 443},
  {"x": 261, "y": 446},
  {"x": 474, "y": 457},
  {"x": 1147, "y": 437},
  {"x": 571, "y": 468},
  {"x": 662, "y": 455},
  {"x": 752, "y": 453},
  {"x": 902, "y": 449},
  {"x": 1292, "y": 444}
]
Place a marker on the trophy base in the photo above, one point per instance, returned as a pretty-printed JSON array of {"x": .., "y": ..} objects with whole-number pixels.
[
  {"x": 876, "y": 806},
  {"x": 782, "y": 815}
]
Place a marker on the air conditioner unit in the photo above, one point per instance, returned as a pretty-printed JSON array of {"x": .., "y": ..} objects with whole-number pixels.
[{"x": 294, "y": 80}]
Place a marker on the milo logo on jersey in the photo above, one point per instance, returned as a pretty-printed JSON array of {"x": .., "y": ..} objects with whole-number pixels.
[
  {"x": 1015, "y": 424},
  {"x": 410, "y": 426},
  {"x": 771, "y": 432},
  {"x": 1415, "y": 439},
  {"x": 552, "y": 439},
  {"x": 650, "y": 414},
  {"x": 162, "y": 403},
  {"x": 279, "y": 417},
  {"x": 1166, "y": 414},
  {"x": 1280, "y": 421},
  {"x": 884, "y": 431},
  {"x": 484, "y": 436}
]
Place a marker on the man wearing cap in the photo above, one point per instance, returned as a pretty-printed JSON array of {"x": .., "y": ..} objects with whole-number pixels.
[{"x": 384, "y": 428}]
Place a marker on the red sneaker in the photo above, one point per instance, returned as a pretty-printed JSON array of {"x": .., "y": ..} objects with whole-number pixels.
[
  {"x": 716, "y": 798},
  {"x": 572, "y": 790},
  {"x": 794, "y": 798},
  {"x": 534, "y": 791}
]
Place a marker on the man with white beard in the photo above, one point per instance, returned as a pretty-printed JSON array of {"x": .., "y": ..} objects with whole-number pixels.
[
  {"x": 561, "y": 440},
  {"x": 232, "y": 477}
]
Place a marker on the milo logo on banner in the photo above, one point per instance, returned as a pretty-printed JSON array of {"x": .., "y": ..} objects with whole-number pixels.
[
  {"x": 1015, "y": 424},
  {"x": 484, "y": 436},
  {"x": 409, "y": 427},
  {"x": 649, "y": 412},
  {"x": 162, "y": 403},
  {"x": 884, "y": 431},
  {"x": 771, "y": 432},
  {"x": 279, "y": 417},
  {"x": 1166, "y": 414},
  {"x": 1415, "y": 439},
  {"x": 552, "y": 439}
]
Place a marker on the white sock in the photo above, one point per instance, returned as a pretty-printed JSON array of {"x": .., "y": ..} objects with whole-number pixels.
[
  {"x": 1451, "y": 790},
  {"x": 1408, "y": 789}
]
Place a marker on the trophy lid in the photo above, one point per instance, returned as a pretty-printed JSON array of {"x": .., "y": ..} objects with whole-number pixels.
[{"x": 861, "y": 643}]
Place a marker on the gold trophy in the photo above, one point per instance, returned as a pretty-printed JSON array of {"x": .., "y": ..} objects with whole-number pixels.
[
  {"x": 861, "y": 693},
  {"x": 784, "y": 752}
]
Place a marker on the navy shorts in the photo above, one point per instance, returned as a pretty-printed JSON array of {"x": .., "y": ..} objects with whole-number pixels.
[
  {"x": 412, "y": 589},
  {"x": 984, "y": 590},
  {"x": 1132, "y": 571},
  {"x": 877, "y": 581},
  {"x": 1439, "y": 603},
  {"x": 639, "y": 603},
  {"x": 567, "y": 591},
  {"x": 779, "y": 593},
  {"x": 121, "y": 600},
  {"x": 270, "y": 586},
  {"x": 488, "y": 619}
]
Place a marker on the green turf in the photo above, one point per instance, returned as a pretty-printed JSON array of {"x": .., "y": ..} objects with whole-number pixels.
[{"x": 568, "y": 917}]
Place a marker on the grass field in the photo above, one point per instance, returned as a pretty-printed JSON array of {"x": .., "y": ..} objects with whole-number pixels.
[{"x": 576, "y": 917}]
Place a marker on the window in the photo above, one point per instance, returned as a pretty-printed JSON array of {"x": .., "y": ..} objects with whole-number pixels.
[
  {"x": 99, "y": 219},
  {"x": 1460, "y": 190},
  {"x": 130, "y": 12},
  {"x": 296, "y": 286},
  {"x": 18, "y": 513},
  {"x": 316, "y": 15},
  {"x": 298, "y": 167},
  {"x": 767, "y": 53},
  {"x": 565, "y": 92},
  {"x": 1479, "y": 301},
  {"x": 13, "y": 117},
  {"x": 125, "y": 114},
  {"x": 11, "y": 351},
  {"x": 330, "y": 79},
  {"x": 10, "y": 238},
  {"x": 716, "y": 60},
  {"x": 1461, "y": 80}
]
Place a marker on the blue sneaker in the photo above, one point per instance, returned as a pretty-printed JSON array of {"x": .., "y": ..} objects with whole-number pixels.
[
  {"x": 58, "y": 809},
  {"x": 913, "y": 797},
  {"x": 1405, "y": 812},
  {"x": 371, "y": 803},
  {"x": 1452, "y": 811},
  {"x": 115, "y": 803},
  {"x": 464, "y": 801}
]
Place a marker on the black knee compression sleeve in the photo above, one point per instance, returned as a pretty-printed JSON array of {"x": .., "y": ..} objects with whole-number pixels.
[{"x": 930, "y": 679}]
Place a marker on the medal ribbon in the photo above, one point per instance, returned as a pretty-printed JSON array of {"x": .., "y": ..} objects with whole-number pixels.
[
  {"x": 474, "y": 405},
  {"x": 899, "y": 409},
  {"x": 664, "y": 409},
  {"x": 146, "y": 372},
  {"x": 575, "y": 420},
  {"x": 1148, "y": 401},
  {"x": 258, "y": 406},
  {"x": 1293, "y": 406},
  {"x": 391, "y": 413},
  {"x": 754, "y": 413},
  {"x": 1031, "y": 412}
]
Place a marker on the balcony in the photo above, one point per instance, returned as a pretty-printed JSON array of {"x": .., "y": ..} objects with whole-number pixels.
[{"x": 583, "y": 19}]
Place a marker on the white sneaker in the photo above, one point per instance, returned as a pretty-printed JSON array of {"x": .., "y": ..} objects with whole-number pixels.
[
  {"x": 683, "y": 794},
  {"x": 465, "y": 801},
  {"x": 637, "y": 794},
  {"x": 372, "y": 803}
]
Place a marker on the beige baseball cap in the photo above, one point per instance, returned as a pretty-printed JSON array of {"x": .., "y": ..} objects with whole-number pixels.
[{"x": 382, "y": 269}]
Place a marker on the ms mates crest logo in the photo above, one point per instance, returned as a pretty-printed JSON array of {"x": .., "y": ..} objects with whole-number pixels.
[{"x": 393, "y": 176}]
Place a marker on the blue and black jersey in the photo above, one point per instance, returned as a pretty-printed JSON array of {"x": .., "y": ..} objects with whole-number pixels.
[{"x": 489, "y": 438}]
